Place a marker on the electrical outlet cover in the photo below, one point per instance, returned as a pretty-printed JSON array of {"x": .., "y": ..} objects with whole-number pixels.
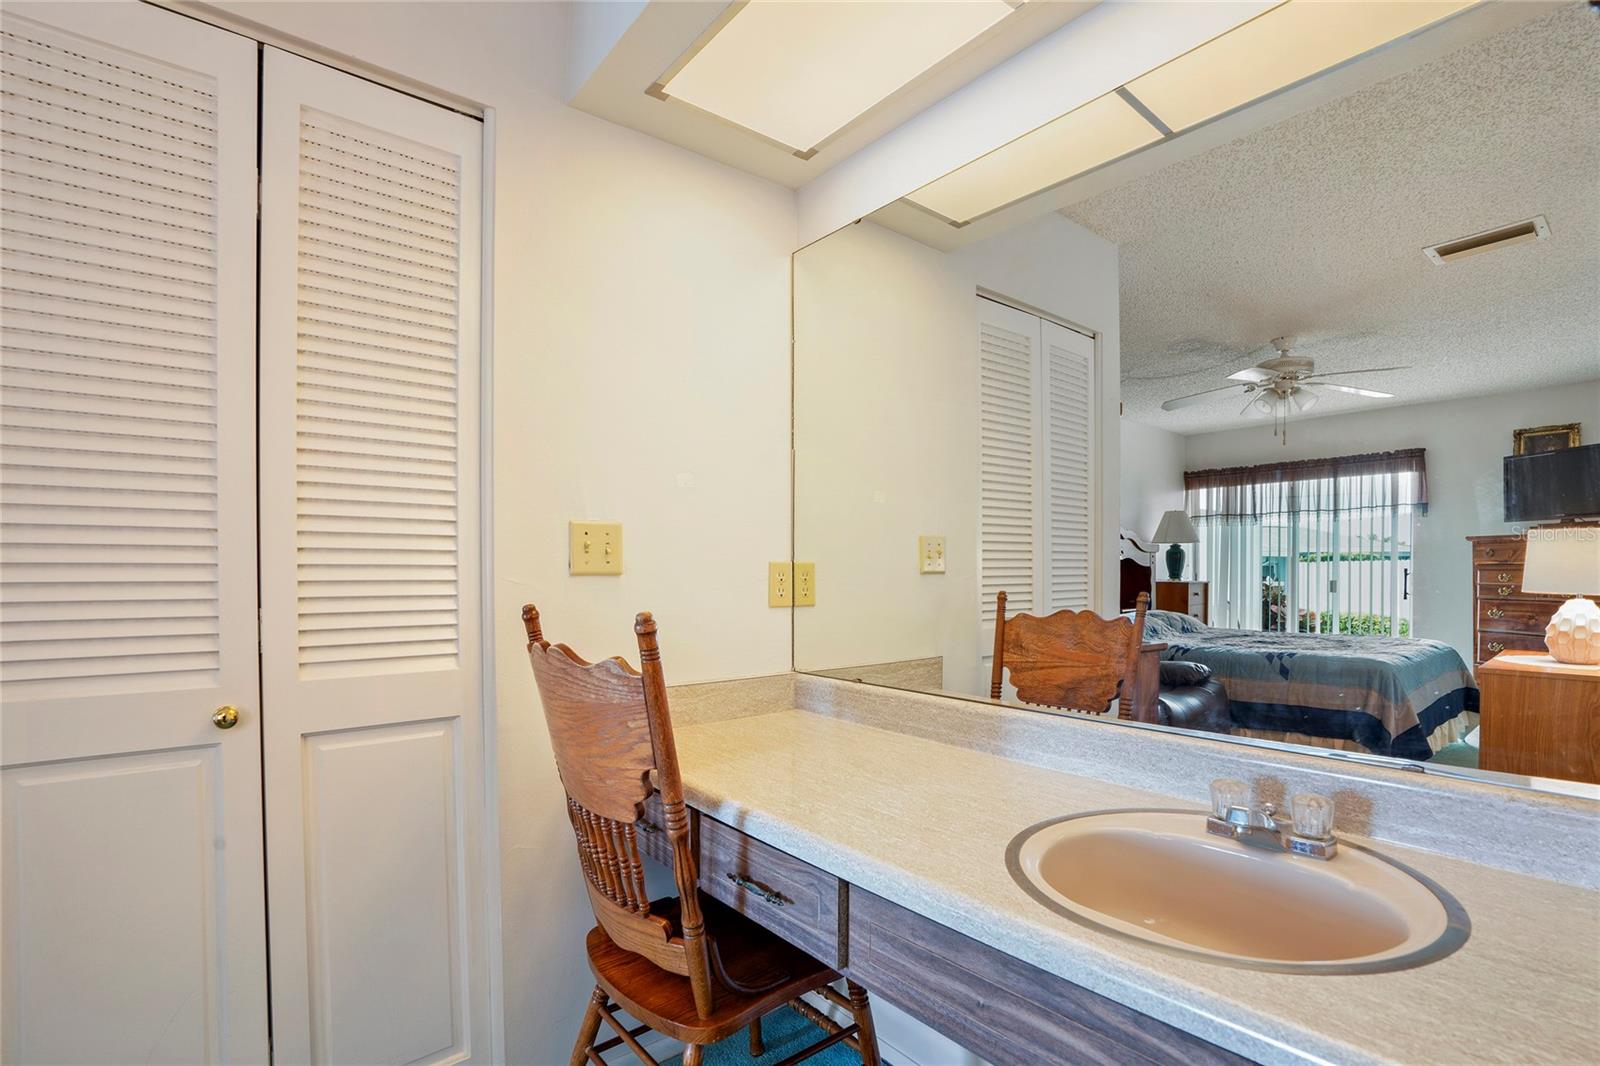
[
  {"x": 930, "y": 555},
  {"x": 780, "y": 584},
  {"x": 594, "y": 548},
  {"x": 805, "y": 584}
]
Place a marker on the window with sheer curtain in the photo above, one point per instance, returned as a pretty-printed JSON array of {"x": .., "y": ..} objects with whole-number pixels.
[{"x": 1313, "y": 546}]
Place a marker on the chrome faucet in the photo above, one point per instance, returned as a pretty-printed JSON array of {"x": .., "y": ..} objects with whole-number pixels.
[{"x": 1308, "y": 833}]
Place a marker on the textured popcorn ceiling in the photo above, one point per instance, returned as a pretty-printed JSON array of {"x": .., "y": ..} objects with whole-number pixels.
[{"x": 1315, "y": 228}]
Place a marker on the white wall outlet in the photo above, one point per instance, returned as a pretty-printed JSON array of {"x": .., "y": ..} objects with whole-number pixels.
[{"x": 930, "y": 554}]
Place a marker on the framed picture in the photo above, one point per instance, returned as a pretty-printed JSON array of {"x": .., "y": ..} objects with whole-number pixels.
[{"x": 1539, "y": 439}]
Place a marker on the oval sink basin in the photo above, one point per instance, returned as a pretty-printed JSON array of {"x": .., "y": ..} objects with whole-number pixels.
[{"x": 1157, "y": 876}]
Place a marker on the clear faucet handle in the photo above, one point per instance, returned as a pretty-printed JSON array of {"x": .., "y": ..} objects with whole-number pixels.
[
  {"x": 1313, "y": 815},
  {"x": 1227, "y": 792}
]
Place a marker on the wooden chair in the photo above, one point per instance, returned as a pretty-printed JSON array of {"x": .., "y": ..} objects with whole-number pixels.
[
  {"x": 687, "y": 967},
  {"x": 1074, "y": 660}
]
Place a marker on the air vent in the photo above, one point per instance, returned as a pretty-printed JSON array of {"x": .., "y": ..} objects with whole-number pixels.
[{"x": 1533, "y": 229}]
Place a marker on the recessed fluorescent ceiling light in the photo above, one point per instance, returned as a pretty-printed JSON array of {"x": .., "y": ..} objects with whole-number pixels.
[
  {"x": 1080, "y": 140},
  {"x": 1277, "y": 48},
  {"x": 797, "y": 73},
  {"x": 1283, "y": 45}
]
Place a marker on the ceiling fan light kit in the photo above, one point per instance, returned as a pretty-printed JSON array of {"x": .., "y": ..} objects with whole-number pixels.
[{"x": 1282, "y": 385}]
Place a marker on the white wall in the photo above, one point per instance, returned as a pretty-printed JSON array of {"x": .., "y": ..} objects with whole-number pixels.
[
  {"x": 886, "y": 441},
  {"x": 1465, "y": 439},
  {"x": 1152, "y": 477},
  {"x": 640, "y": 335}
]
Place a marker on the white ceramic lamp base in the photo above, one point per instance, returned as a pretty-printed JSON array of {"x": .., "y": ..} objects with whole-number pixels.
[{"x": 1573, "y": 635}]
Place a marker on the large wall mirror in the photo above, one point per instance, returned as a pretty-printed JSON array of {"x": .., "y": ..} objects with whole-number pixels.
[{"x": 1266, "y": 360}]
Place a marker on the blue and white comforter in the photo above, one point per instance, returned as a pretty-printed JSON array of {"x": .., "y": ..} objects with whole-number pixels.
[{"x": 1386, "y": 693}]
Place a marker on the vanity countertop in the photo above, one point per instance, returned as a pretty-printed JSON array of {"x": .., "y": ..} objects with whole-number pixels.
[{"x": 925, "y": 824}]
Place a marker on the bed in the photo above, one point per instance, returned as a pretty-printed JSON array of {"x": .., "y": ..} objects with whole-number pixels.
[{"x": 1387, "y": 695}]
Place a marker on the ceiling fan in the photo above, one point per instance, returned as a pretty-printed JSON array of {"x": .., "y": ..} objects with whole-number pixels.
[{"x": 1283, "y": 385}]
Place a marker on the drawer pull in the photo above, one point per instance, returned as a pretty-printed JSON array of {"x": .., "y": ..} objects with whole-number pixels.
[
  {"x": 1503, "y": 576},
  {"x": 1505, "y": 590},
  {"x": 1495, "y": 612},
  {"x": 772, "y": 897},
  {"x": 1489, "y": 552},
  {"x": 1496, "y": 646}
]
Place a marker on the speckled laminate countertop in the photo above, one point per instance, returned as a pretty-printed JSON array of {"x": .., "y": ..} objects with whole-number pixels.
[{"x": 925, "y": 824}]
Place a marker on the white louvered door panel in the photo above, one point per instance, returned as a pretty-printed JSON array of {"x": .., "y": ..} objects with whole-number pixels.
[
  {"x": 1068, "y": 367},
  {"x": 369, "y": 549},
  {"x": 1009, "y": 466},
  {"x": 131, "y": 889}
]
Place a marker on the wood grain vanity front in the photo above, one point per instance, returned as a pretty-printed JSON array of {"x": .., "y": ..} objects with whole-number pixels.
[
  {"x": 793, "y": 899},
  {"x": 989, "y": 1002},
  {"x": 999, "y": 1006}
]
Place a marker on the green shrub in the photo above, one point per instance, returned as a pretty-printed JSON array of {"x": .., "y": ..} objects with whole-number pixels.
[
  {"x": 1360, "y": 625},
  {"x": 1349, "y": 557}
]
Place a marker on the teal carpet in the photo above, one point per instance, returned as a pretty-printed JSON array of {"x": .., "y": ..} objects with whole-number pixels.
[
  {"x": 1458, "y": 754},
  {"x": 785, "y": 1032}
]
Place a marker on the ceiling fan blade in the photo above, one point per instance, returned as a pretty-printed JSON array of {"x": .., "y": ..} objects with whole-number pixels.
[
  {"x": 1253, "y": 375},
  {"x": 1369, "y": 370},
  {"x": 1352, "y": 389},
  {"x": 1192, "y": 398}
]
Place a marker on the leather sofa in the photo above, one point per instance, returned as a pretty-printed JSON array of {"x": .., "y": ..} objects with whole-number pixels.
[{"x": 1190, "y": 698}]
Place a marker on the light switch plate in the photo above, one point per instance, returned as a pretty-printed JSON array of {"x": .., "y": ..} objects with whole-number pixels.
[
  {"x": 930, "y": 555},
  {"x": 780, "y": 584},
  {"x": 805, "y": 584},
  {"x": 594, "y": 548}
]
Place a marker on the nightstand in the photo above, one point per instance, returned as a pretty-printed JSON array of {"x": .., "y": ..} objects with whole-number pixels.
[
  {"x": 1540, "y": 717},
  {"x": 1185, "y": 597}
]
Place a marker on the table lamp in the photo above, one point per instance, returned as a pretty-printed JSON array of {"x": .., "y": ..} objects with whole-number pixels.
[
  {"x": 1177, "y": 530},
  {"x": 1565, "y": 560}
]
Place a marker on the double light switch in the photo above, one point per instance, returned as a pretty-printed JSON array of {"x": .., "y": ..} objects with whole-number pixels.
[{"x": 594, "y": 548}]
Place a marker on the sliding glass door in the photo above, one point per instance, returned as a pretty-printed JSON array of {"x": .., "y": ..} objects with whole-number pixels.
[{"x": 1322, "y": 546}]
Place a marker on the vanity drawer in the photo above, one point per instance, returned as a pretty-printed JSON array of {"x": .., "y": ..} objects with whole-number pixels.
[
  {"x": 794, "y": 899},
  {"x": 651, "y": 832},
  {"x": 797, "y": 901}
]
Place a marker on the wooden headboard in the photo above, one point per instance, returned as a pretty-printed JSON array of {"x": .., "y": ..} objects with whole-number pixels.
[{"x": 1136, "y": 567}]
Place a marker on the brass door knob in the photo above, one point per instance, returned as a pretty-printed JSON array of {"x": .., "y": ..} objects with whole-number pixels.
[{"x": 225, "y": 717}]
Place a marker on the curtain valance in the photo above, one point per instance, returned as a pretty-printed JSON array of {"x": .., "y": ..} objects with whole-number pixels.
[{"x": 1345, "y": 482}]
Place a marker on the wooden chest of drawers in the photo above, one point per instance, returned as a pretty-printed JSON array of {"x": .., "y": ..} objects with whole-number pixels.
[{"x": 1504, "y": 618}]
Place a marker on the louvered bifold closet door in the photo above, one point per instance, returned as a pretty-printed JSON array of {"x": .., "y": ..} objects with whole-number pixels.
[
  {"x": 131, "y": 897},
  {"x": 1008, "y": 462},
  {"x": 1069, "y": 391},
  {"x": 371, "y": 651}
]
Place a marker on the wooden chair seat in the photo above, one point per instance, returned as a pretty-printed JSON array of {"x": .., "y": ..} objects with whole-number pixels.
[{"x": 759, "y": 973}]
